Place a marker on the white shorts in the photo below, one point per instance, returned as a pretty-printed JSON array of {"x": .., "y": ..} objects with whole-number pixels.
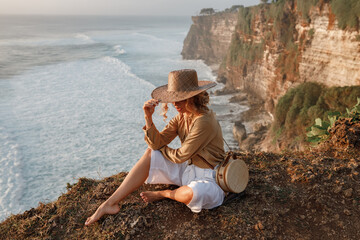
[{"x": 206, "y": 192}]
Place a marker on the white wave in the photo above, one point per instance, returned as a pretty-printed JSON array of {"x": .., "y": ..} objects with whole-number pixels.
[
  {"x": 85, "y": 38},
  {"x": 157, "y": 39},
  {"x": 126, "y": 69},
  {"x": 73, "y": 118},
  {"x": 119, "y": 50},
  {"x": 149, "y": 36},
  {"x": 11, "y": 180},
  {"x": 51, "y": 40}
]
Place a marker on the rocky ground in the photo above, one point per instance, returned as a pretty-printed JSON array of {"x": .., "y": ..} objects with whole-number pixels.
[{"x": 293, "y": 195}]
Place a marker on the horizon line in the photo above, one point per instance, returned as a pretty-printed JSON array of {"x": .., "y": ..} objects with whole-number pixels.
[{"x": 91, "y": 15}]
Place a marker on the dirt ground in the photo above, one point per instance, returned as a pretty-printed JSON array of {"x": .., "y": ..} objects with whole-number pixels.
[
  {"x": 305, "y": 195},
  {"x": 292, "y": 195}
]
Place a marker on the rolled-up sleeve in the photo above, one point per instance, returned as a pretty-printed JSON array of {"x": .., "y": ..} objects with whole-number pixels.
[
  {"x": 156, "y": 139},
  {"x": 199, "y": 137}
]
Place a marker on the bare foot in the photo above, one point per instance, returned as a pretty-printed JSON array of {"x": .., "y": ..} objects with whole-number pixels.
[
  {"x": 152, "y": 196},
  {"x": 105, "y": 208}
]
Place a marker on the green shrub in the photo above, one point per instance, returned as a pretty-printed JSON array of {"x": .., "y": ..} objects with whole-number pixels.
[
  {"x": 320, "y": 130},
  {"x": 304, "y": 6},
  {"x": 207, "y": 11},
  {"x": 244, "y": 20},
  {"x": 347, "y": 13},
  {"x": 300, "y": 106},
  {"x": 311, "y": 33},
  {"x": 242, "y": 52}
]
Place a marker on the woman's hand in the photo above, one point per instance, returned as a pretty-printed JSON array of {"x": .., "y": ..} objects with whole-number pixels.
[{"x": 149, "y": 107}]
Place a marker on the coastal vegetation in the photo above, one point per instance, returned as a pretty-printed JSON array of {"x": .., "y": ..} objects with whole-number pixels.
[
  {"x": 249, "y": 43},
  {"x": 297, "y": 110},
  {"x": 347, "y": 12},
  {"x": 207, "y": 11},
  {"x": 320, "y": 131}
]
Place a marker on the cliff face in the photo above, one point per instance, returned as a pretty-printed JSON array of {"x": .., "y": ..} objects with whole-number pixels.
[
  {"x": 209, "y": 37},
  {"x": 333, "y": 57},
  {"x": 275, "y": 47},
  {"x": 325, "y": 53}
]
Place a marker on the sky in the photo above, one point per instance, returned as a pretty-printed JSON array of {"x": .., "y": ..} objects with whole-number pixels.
[{"x": 116, "y": 7}]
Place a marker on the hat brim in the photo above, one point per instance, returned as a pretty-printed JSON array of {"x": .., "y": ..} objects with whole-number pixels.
[{"x": 163, "y": 95}]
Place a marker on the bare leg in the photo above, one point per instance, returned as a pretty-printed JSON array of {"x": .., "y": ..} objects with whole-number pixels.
[
  {"x": 182, "y": 194},
  {"x": 132, "y": 181}
]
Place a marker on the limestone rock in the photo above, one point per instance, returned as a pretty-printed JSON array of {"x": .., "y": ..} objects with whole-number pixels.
[{"x": 239, "y": 131}]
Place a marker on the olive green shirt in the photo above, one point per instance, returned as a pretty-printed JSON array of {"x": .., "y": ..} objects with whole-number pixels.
[{"x": 201, "y": 139}]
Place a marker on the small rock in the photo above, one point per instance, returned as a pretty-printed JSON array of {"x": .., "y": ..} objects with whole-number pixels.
[
  {"x": 284, "y": 211},
  {"x": 107, "y": 190},
  {"x": 302, "y": 217},
  {"x": 348, "y": 192},
  {"x": 239, "y": 131},
  {"x": 337, "y": 189},
  {"x": 341, "y": 224},
  {"x": 347, "y": 212},
  {"x": 132, "y": 225},
  {"x": 336, "y": 216}
]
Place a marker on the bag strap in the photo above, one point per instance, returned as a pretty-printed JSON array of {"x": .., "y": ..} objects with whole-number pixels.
[
  {"x": 227, "y": 158},
  {"x": 227, "y": 145}
]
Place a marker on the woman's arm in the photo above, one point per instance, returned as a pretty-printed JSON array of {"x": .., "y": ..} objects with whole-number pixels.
[
  {"x": 149, "y": 108},
  {"x": 153, "y": 137},
  {"x": 200, "y": 135}
]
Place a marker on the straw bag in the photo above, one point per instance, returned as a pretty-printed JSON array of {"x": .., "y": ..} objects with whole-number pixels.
[{"x": 232, "y": 175}]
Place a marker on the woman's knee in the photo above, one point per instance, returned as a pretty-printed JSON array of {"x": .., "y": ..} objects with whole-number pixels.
[
  {"x": 147, "y": 155},
  {"x": 148, "y": 152},
  {"x": 186, "y": 194},
  {"x": 189, "y": 195}
]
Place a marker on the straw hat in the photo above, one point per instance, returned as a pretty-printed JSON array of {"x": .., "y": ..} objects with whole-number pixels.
[{"x": 182, "y": 84}]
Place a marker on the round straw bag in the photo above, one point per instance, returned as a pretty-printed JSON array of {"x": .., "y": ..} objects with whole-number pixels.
[{"x": 232, "y": 175}]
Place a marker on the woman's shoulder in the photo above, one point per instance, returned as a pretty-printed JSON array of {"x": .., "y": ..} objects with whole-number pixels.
[{"x": 208, "y": 117}]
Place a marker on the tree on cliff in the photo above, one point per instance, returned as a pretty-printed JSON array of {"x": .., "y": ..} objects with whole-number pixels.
[{"x": 207, "y": 11}]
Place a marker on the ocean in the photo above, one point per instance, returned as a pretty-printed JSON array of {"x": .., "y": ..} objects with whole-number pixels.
[{"x": 71, "y": 96}]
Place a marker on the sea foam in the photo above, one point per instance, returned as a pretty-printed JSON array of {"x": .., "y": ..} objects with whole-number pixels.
[
  {"x": 119, "y": 50},
  {"x": 11, "y": 180}
]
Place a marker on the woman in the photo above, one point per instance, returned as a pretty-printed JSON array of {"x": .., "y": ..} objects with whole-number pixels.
[{"x": 190, "y": 166}]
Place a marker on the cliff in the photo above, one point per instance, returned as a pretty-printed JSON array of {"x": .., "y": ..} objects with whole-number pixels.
[
  {"x": 278, "y": 46},
  {"x": 333, "y": 56},
  {"x": 209, "y": 37}
]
